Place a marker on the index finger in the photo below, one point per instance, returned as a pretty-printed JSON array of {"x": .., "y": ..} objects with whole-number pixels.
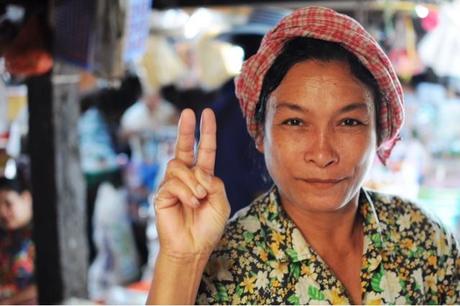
[
  {"x": 206, "y": 158},
  {"x": 185, "y": 143}
]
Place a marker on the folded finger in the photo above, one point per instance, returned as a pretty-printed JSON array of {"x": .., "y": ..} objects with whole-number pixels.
[
  {"x": 177, "y": 169},
  {"x": 174, "y": 192}
]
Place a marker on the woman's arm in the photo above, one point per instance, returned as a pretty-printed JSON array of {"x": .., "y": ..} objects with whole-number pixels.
[
  {"x": 176, "y": 280},
  {"x": 191, "y": 212}
]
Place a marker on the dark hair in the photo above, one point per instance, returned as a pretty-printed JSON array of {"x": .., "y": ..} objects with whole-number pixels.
[
  {"x": 114, "y": 101},
  {"x": 15, "y": 184},
  {"x": 300, "y": 49}
]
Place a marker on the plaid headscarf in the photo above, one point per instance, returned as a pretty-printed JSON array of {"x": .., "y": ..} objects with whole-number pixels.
[{"x": 326, "y": 24}]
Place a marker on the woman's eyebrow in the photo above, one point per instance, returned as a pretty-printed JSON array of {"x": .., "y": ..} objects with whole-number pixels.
[
  {"x": 347, "y": 108},
  {"x": 290, "y": 106},
  {"x": 355, "y": 106}
]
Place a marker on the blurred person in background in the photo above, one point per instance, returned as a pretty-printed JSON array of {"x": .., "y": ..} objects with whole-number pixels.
[
  {"x": 17, "y": 251},
  {"x": 99, "y": 132},
  {"x": 149, "y": 127}
]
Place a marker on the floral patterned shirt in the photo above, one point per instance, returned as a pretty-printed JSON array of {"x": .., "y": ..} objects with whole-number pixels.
[
  {"x": 263, "y": 259},
  {"x": 17, "y": 254}
]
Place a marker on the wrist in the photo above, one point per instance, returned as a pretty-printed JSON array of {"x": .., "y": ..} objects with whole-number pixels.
[
  {"x": 182, "y": 259},
  {"x": 174, "y": 271}
]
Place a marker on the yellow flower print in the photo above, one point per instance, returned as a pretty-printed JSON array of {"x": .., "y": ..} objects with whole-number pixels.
[
  {"x": 441, "y": 274},
  {"x": 272, "y": 208},
  {"x": 277, "y": 237},
  {"x": 336, "y": 298},
  {"x": 374, "y": 263},
  {"x": 442, "y": 245},
  {"x": 248, "y": 284},
  {"x": 408, "y": 244},
  {"x": 373, "y": 298},
  {"x": 305, "y": 270},
  {"x": 432, "y": 260},
  {"x": 395, "y": 235},
  {"x": 276, "y": 250},
  {"x": 263, "y": 255},
  {"x": 279, "y": 270},
  {"x": 430, "y": 282},
  {"x": 404, "y": 222},
  {"x": 275, "y": 283},
  {"x": 416, "y": 216}
]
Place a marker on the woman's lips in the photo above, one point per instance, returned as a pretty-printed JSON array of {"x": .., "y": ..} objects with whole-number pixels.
[{"x": 323, "y": 183}]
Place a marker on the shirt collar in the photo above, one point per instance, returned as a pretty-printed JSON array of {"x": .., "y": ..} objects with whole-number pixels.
[{"x": 287, "y": 243}]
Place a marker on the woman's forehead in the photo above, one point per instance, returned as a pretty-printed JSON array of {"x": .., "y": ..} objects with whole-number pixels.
[
  {"x": 321, "y": 81},
  {"x": 322, "y": 73}
]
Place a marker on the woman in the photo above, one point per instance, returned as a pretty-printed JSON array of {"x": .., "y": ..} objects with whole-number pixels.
[
  {"x": 321, "y": 99},
  {"x": 17, "y": 251}
]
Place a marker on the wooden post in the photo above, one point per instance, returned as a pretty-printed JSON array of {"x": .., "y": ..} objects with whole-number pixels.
[
  {"x": 71, "y": 191},
  {"x": 57, "y": 187}
]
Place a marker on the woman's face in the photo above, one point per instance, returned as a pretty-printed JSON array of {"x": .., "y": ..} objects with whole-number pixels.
[
  {"x": 15, "y": 209},
  {"x": 319, "y": 137}
]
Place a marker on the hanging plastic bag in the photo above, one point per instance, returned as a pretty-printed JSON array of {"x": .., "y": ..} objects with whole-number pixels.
[{"x": 117, "y": 260}]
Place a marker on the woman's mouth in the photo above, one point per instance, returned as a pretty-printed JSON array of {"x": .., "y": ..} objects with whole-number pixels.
[{"x": 322, "y": 182}]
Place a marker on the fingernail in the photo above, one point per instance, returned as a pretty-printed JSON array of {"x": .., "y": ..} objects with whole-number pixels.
[
  {"x": 200, "y": 191},
  {"x": 195, "y": 201}
]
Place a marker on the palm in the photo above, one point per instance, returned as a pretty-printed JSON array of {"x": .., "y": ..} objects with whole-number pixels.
[{"x": 191, "y": 230}]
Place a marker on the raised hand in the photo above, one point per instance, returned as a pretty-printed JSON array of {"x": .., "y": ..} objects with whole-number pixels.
[{"x": 191, "y": 205}]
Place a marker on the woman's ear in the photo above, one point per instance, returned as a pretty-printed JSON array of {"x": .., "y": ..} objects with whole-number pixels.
[{"x": 259, "y": 139}]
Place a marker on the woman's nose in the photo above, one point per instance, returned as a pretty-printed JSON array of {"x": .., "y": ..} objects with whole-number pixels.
[{"x": 322, "y": 151}]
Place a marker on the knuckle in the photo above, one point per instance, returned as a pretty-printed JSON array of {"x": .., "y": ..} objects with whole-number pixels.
[
  {"x": 217, "y": 182},
  {"x": 172, "y": 163},
  {"x": 207, "y": 149}
]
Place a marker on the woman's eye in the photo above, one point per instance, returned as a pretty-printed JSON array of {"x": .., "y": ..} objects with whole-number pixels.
[
  {"x": 351, "y": 122},
  {"x": 293, "y": 122}
]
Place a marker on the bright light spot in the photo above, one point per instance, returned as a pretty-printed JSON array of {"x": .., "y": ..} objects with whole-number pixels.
[
  {"x": 10, "y": 169},
  {"x": 200, "y": 20},
  {"x": 234, "y": 56},
  {"x": 421, "y": 11},
  {"x": 175, "y": 18}
]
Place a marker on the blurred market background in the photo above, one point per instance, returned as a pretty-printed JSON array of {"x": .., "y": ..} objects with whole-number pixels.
[{"x": 90, "y": 93}]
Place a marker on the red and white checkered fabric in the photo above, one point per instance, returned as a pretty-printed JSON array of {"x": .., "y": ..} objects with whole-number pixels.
[{"x": 326, "y": 24}]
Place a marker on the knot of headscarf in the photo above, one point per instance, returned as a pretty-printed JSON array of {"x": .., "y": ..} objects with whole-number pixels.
[{"x": 326, "y": 24}]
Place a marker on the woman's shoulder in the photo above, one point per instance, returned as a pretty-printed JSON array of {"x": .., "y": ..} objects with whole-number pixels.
[{"x": 409, "y": 219}]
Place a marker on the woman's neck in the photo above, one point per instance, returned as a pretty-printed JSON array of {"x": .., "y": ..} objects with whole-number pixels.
[{"x": 339, "y": 231}]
